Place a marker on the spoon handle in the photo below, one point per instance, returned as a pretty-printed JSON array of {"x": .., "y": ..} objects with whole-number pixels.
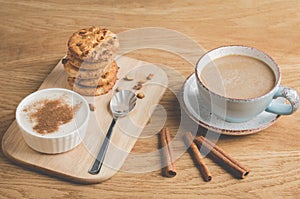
[{"x": 101, "y": 155}]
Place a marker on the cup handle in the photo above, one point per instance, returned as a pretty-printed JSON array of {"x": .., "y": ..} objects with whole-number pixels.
[{"x": 285, "y": 109}]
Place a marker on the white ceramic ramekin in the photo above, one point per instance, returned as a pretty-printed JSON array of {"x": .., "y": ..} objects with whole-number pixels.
[{"x": 68, "y": 136}]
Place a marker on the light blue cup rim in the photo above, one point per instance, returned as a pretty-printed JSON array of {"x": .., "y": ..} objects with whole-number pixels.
[{"x": 272, "y": 91}]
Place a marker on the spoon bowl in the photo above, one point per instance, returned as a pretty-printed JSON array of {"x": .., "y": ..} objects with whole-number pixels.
[{"x": 122, "y": 103}]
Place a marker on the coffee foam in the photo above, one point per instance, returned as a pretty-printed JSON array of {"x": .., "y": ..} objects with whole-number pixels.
[{"x": 238, "y": 76}]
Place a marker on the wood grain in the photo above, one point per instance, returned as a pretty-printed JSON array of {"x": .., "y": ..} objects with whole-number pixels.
[
  {"x": 33, "y": 38},
  {"x": 74, "y": 165}
]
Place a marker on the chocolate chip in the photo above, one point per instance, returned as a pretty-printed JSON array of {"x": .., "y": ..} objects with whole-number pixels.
[
  {"x": 64, "y": 61},
  {"x": 104, "y": 76},
  {"x": 82, "y": 33},
  {"x": 78, "y": 44},
  {"x": 95, "y": 44},
  {"x": 86, "y": 52}
]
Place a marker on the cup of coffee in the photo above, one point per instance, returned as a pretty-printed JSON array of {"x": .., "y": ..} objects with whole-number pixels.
[{"x": 240, "y": 82}]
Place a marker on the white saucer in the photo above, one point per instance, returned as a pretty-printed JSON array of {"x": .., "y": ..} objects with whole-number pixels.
[{"x": 193, "y": 105}]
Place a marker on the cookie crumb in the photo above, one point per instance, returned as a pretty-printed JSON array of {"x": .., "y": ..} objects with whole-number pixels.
[
  {"x": 118, "y": 89},
  {"x": 92, "y": 107},
  {"x": 140, "y": 95},
  {"x": 137, "y": 87},
  {"x": 150, "y": 76},
  {"x": 141, "y": 82},
  {"x": 128, "y": 78},
  {"x": 148, "y": 122}
]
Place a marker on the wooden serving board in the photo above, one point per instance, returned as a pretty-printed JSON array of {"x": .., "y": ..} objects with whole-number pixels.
[{"x": 74, "y": 164}]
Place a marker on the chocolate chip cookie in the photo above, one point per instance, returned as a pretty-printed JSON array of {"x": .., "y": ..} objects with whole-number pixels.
[{"x": 93, "y": 44}]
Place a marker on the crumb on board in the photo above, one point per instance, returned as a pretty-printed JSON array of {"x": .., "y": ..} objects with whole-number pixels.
[
  {"x": 92, "y": 107},
  {"x": 140, "y": 95},
  {"x": 150, "y": 76},
  {"x": 137, "y": 87},
  {"x": 148, "y": 122},
  {"x": 128, "y": 78},
  {"x": 118, "y": 89},
  {"x": 141, "y": 82}
]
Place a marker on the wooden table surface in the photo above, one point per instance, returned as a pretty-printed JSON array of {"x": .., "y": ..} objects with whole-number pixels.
[{"x": 33, "y": 39}]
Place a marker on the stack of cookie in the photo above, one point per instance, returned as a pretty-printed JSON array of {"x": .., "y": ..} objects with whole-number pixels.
[{"x": 90, "y": 61}]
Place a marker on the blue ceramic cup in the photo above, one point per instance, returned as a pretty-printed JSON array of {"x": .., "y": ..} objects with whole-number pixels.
[{"x": 241, "y": 110}]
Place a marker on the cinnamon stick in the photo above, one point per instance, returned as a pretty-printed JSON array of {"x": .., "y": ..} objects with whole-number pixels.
[
  {"x": 197, "y": 156},
  {"x": 220, "y": 156},
  {"x": 170, "y": 169}
]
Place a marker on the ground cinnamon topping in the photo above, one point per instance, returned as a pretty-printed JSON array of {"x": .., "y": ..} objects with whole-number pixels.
[{"x": 50, "y": 114}]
